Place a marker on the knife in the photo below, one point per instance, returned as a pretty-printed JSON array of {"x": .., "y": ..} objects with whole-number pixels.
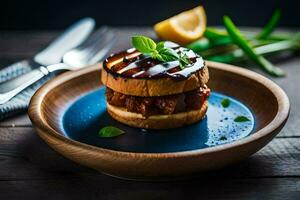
[{"x": 52, "y": 54}]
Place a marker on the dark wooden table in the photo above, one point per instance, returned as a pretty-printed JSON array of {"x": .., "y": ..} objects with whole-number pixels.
[{"x": 29, "y": 169}]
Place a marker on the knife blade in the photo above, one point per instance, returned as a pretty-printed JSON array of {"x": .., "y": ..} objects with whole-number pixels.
[
  {"x": 71, "y": 38},
  {"x": 53, "y": 53}
]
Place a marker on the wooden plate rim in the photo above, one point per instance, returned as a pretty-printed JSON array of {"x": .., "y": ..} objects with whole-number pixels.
[{"x": 39, "y": 122}]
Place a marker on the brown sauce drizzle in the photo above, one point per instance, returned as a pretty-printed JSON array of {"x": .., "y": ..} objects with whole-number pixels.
[{"x": 133, "y": 64}]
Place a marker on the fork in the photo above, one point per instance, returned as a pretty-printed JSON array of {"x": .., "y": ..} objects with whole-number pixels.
[{"x": 88, "y": 53}]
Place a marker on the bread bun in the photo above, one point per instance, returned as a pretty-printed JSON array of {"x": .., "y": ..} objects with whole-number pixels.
[
  {"x": 154, "y": 87},
  {"x": 157, "y": 121},
  {"x": 146, "y": 92}
]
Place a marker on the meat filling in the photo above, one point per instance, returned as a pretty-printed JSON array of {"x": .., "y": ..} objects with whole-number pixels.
[{"x": 170, "y": 104}]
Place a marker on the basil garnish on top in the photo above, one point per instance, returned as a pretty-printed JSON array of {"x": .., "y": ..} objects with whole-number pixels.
[
  {"x": 144, "y": 44},
  {"x": 158, "y": 51},
  {"x": 110, "y": 131}
]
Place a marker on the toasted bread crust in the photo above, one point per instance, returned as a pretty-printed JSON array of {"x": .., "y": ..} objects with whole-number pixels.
[
  {"x": 154, "y": 87},
  {"x": 157, "y": 121}
]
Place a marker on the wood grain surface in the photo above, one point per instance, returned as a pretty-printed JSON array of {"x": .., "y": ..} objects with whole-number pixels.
[{"x": 29, "y": 169}]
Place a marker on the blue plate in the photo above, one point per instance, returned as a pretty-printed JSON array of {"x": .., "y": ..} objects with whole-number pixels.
[{"x": 87, "y": 115}]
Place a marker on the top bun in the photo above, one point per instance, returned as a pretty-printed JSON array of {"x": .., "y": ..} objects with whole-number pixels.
[
  {"x": 154, "y": 87},
  {"x": 132, "y": 73}
]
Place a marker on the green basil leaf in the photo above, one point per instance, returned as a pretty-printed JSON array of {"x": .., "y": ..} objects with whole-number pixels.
[
  {"x": 241, "y": 119},
  {"x": 158, "y": 51},
  {"x": 160, "y": 45},
  {"x": 110, "y": 131},
  {"x": 183, "y": 60},
  {"x": 143, "y": 44},
  {"x": 167, "y": 54},
  {"x": 154, "y": 54},
  {"x": 157, "y": 56},
  {"x": 225, "y": 103}
]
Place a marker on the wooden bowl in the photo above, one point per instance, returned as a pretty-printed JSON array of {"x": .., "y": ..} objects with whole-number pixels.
[{"x": 268, "y": 102}]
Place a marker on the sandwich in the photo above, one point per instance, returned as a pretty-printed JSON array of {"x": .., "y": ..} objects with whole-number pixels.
[{"x": 161, "y": 86}]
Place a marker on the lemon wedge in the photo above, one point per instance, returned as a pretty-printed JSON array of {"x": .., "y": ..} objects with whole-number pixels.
[{"x": 183, "y": 28}]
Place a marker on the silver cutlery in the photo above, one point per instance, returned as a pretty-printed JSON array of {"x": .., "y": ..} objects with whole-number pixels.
[
  {"x": 69, "y": 39},
  {"x": 88, "y": 53}
]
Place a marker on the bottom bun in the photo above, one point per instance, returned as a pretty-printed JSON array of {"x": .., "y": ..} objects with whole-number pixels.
[{"x": 157, "y": 121}]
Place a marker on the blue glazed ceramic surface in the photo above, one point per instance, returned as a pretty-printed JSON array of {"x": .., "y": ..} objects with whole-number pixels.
[{"x": 84, "y": 118}]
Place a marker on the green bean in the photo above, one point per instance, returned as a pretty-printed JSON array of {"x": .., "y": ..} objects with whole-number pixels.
[
  {"x": 213, "y": 33},
  {"x": 204, "y": 44},
  {"x": 240, "y": 41},
  {"x": 270, "y": 26},
  {"x": 206, "y": 50},
  {"x": 239, "y": 55},
  {"x": 200, "y": 45},
  {"x": 218, "y": 37}
]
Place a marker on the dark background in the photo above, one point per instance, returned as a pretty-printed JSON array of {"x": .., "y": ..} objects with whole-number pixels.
[{"x": 57, "y": 14}]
